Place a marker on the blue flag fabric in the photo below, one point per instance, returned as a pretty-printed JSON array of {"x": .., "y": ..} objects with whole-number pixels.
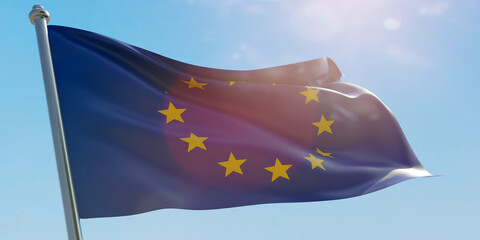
[{"x": 146, "y": 132}]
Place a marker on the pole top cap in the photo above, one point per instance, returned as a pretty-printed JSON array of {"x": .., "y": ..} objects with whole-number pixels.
[{"x": 38, "y": 11}]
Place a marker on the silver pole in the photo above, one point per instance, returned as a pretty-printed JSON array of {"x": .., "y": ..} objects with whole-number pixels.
[{"x": 40, "y": 17}]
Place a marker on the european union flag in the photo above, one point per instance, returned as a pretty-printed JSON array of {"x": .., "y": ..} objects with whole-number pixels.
[{"x": 146, "y": 132}]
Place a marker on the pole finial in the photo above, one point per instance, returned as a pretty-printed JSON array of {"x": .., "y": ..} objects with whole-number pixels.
[{"x": 38, "y": 11}]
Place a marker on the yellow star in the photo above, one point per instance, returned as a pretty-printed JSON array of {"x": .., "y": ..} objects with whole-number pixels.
[
  {"x": 311, "y": 94},
  {"x": 194, "y": 141},
  {"x": 232, "y": 82},
  {"x": 325, "y": 154},
  {"x": 232, "y": 165},
  {"x": 194, "y": 84},
  {"x": 273, "y": 84},
  {"x": 323, "y": 125},
  {"x": 279, "y": 170},
  {"x": 173, "y": 113},
  {"x": 315, "y": 162}
]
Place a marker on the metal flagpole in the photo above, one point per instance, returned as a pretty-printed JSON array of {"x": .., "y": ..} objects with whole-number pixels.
[{"x": 40, "y": 17}]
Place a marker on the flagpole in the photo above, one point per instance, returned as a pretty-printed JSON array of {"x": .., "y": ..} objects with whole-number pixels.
[{"x": 39, "y": 17}]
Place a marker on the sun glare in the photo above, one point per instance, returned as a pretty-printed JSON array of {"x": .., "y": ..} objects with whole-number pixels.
[{"x": 326, "y": 20}]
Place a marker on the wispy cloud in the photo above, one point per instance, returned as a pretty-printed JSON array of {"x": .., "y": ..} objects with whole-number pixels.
[
  {"x": 392, "y": 23},
  {"x": 358, "y": 27},
  {"x": 402, "y": 55},
  {"x": 343, "y": 19},
  {"x": 228, "y": 7},
  {"x": 250, "y": 56},
  {"x": 362, "y": 27},
  {"x": 434, "y": 9}
]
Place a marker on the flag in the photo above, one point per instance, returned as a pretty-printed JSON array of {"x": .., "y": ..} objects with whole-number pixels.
[{"x": 145, "y": 132}]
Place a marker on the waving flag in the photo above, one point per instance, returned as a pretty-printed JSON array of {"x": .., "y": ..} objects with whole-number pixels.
[{"x": 146, "y": 132}]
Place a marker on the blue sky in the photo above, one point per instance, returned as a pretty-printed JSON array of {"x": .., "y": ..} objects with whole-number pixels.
[{"x": 422, "y": 58}]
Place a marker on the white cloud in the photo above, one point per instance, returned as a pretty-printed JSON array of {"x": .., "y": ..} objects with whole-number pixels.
[
  {"x": 250, "y": 56},
  {"x": 343, "y": 19},
  {"x": 360, "y": 27},
  {"x": 356, "y": 27},
  {"x": 252, "y": 9},
  {"x": 434, "y": 9},
  {"x": 404, "y": 56},
  {"x": 228, "y": 7},
  {"x": 392, "y": 24}
]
